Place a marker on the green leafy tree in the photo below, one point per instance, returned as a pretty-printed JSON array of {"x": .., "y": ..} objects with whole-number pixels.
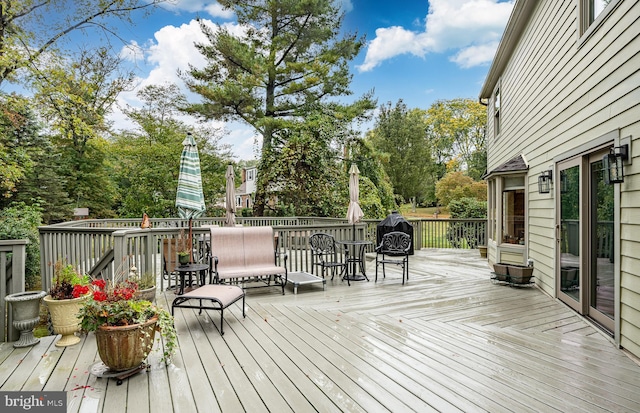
[
  {"x": 456, "y": 185},
  {"x": 456, "y": 129},
  {"x": 75, "y": 97},
  {"x": 31, "y": 28},
  {"x": 287, "y": 60},
  {"x": 400, "y": 134},
  {"x": 146, "y": 160},
  {"x": 376, "y": 191},
  {"x": 40, "y": 182}
]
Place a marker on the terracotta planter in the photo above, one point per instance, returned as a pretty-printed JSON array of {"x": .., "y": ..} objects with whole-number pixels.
[
  {"x": 64, "y": 317},
  {"x": 520, "y": 274},
  {"x": 26, "y": 315},
  {"x": 124, "y": 348}
]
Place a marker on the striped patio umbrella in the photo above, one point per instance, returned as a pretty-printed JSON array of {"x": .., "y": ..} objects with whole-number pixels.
[
  {"x": 230, "y": 200},
  {"x": 189, "y": 197}
]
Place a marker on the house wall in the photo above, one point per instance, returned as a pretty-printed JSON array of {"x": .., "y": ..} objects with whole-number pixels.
[{"x": 561, "y": 93}]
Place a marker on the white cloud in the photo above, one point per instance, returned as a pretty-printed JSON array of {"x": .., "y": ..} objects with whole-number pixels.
[
  {"x": 475, "y": 55},
  {"x": 171, "y": 50},
  {"x": 213, "y": 8},
  {"x": 346, "y": 5},
  {"x": 473, "y": 27}
]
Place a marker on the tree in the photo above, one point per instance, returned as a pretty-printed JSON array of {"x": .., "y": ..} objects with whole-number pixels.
[
  {"x": 31, "y": 28},
  {"x": 21, "y": 221},
  {"x": 145, "y": 186},
  {"x": 400, "y": 134},
  {"x": 456, "y": 128},
  {"x": 456, "y": 185},
  {"x": 287, "y": 60},
  {"x": 75, "y": 97},
  {"x": 40, "y": 181}
]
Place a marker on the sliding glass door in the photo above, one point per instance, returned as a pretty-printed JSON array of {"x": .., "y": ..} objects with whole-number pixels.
[{"x": 585, "y": 238}]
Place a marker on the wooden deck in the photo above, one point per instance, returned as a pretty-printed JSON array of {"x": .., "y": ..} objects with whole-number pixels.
[{"x": 449, "y": 340}]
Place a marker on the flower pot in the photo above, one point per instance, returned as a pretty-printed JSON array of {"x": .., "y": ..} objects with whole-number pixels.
[
  {"x": 501, "y": 271},
  {"x": 26, "y": 315},
  {"x": 483, "y": 251},
  {"x": 148, "y": 294},
  {"x": 64, "y": 317},
  {"x": 125, "y": 347},
  {"x": 183, "y": 259},
  {"x": 520, "y": 274}
]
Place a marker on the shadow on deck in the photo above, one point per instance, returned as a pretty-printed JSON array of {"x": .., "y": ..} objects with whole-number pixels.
[{"x": 448, "y": 340}]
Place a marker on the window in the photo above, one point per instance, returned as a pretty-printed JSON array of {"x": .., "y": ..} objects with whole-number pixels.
[
  {"x": 513, "y": 216},
  {"x": 496, "y": 112},
  {"x": 590, "y": 10},
  {"x": 250, "y": 173}
]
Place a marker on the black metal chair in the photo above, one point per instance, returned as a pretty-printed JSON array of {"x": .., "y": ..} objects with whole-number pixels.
[
  {"x": 394, "y": 249},
  {"x": 324, "y": 254}
]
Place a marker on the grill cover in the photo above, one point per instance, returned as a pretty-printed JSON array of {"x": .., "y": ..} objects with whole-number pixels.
[{"x": 394, "y": 222}]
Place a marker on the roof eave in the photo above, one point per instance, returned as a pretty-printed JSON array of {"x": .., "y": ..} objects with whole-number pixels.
[{"x": 520, "y": 15}]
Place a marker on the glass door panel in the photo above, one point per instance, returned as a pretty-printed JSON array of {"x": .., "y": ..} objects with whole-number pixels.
[
  {"x": 568, "y": 235},
  {"x": 601, "y": 281}
]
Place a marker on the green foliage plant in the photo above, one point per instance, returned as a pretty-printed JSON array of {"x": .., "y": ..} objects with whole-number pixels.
[
  {"x": 67, "y": 282},
  {"x": 21, "y": 221},
  {"x": 115, "y": 304},
  {"x": 473, "y": 234}
]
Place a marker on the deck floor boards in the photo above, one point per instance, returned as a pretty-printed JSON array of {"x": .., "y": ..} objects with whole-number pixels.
[{"x": 448, "y": 340}]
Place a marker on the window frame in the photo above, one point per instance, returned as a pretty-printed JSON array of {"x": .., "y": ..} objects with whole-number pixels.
[
  {"x": 587, "y": 24},
  {"x": 497, "y": 110}
]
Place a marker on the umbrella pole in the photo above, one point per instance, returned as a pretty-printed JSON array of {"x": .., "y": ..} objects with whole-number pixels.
[{"x": 190, "y": 242}]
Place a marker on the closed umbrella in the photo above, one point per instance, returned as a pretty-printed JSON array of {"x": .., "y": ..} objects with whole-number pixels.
[
  {"x": 354, "y": 213},
  {"x": 230, "y": 200},
  {"x": 189, "y": 197}
]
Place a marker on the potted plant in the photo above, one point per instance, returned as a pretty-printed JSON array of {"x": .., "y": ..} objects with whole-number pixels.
[
  {"x": 184, "y": 251},
  {"x": 146, "y": 284},
  {"x": 68, "y": 290},
  {"x": 125, "y": 325}
]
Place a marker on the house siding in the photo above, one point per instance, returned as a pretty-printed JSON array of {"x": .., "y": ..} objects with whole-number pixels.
[{"x": 560, "y": 92}]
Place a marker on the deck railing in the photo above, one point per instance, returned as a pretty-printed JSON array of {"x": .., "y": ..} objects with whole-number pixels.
[
  {"x": 86, "y": 243},
  {"x": 13, "y": 258}
]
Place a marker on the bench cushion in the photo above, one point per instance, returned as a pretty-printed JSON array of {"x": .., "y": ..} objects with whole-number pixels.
[{"x": 244, "y": 252}]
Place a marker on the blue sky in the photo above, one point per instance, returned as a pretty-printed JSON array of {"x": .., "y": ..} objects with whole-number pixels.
[{"x": 418, "y": 51}]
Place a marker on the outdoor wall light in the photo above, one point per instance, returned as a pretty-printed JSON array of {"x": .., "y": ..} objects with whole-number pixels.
[
  {"x": 544, "y": 182},
  {"x": 613, "y": 164}
]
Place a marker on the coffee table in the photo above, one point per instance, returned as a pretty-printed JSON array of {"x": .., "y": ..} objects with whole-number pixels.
[{"x": 303, "y": 278}]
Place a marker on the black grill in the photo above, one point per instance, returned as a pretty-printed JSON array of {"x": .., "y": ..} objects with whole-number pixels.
[{"x": 394, "y": 222}]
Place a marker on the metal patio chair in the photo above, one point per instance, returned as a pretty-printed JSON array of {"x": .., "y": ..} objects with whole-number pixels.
[
  {"x": 394, "y": 249},
  {"x": 324, "y": 254}
]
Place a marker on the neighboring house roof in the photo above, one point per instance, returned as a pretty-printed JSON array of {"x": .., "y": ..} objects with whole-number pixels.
[
  {"x": 242, "y": 189},
  {"x": 517, "y": 164},
  {"x": 522, "y": 12}
]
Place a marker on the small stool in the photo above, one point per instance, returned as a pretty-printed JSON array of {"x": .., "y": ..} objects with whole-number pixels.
[{"x": 220, "y": 295}]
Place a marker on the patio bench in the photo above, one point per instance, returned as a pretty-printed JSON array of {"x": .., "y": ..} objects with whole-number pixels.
[
  {"x": 220, "y": 296},
  {"x": 243, "y": 255}
]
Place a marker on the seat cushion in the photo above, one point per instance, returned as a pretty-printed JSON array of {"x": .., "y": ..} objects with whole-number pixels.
[{"x": 225, "y": 294}]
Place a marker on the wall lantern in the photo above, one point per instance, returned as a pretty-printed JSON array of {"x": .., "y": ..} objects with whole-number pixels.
[
  {"x": 612, "y": 164},
  {"x": 544, "y": 182}
]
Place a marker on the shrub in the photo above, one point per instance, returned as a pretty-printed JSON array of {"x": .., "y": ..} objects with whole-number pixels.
[{"x": 21, "y": 221}]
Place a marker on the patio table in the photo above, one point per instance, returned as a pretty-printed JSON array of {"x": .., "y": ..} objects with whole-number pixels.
[
  {"x": 354, "y": 251},
  {"x": 191, "y": 270}
]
